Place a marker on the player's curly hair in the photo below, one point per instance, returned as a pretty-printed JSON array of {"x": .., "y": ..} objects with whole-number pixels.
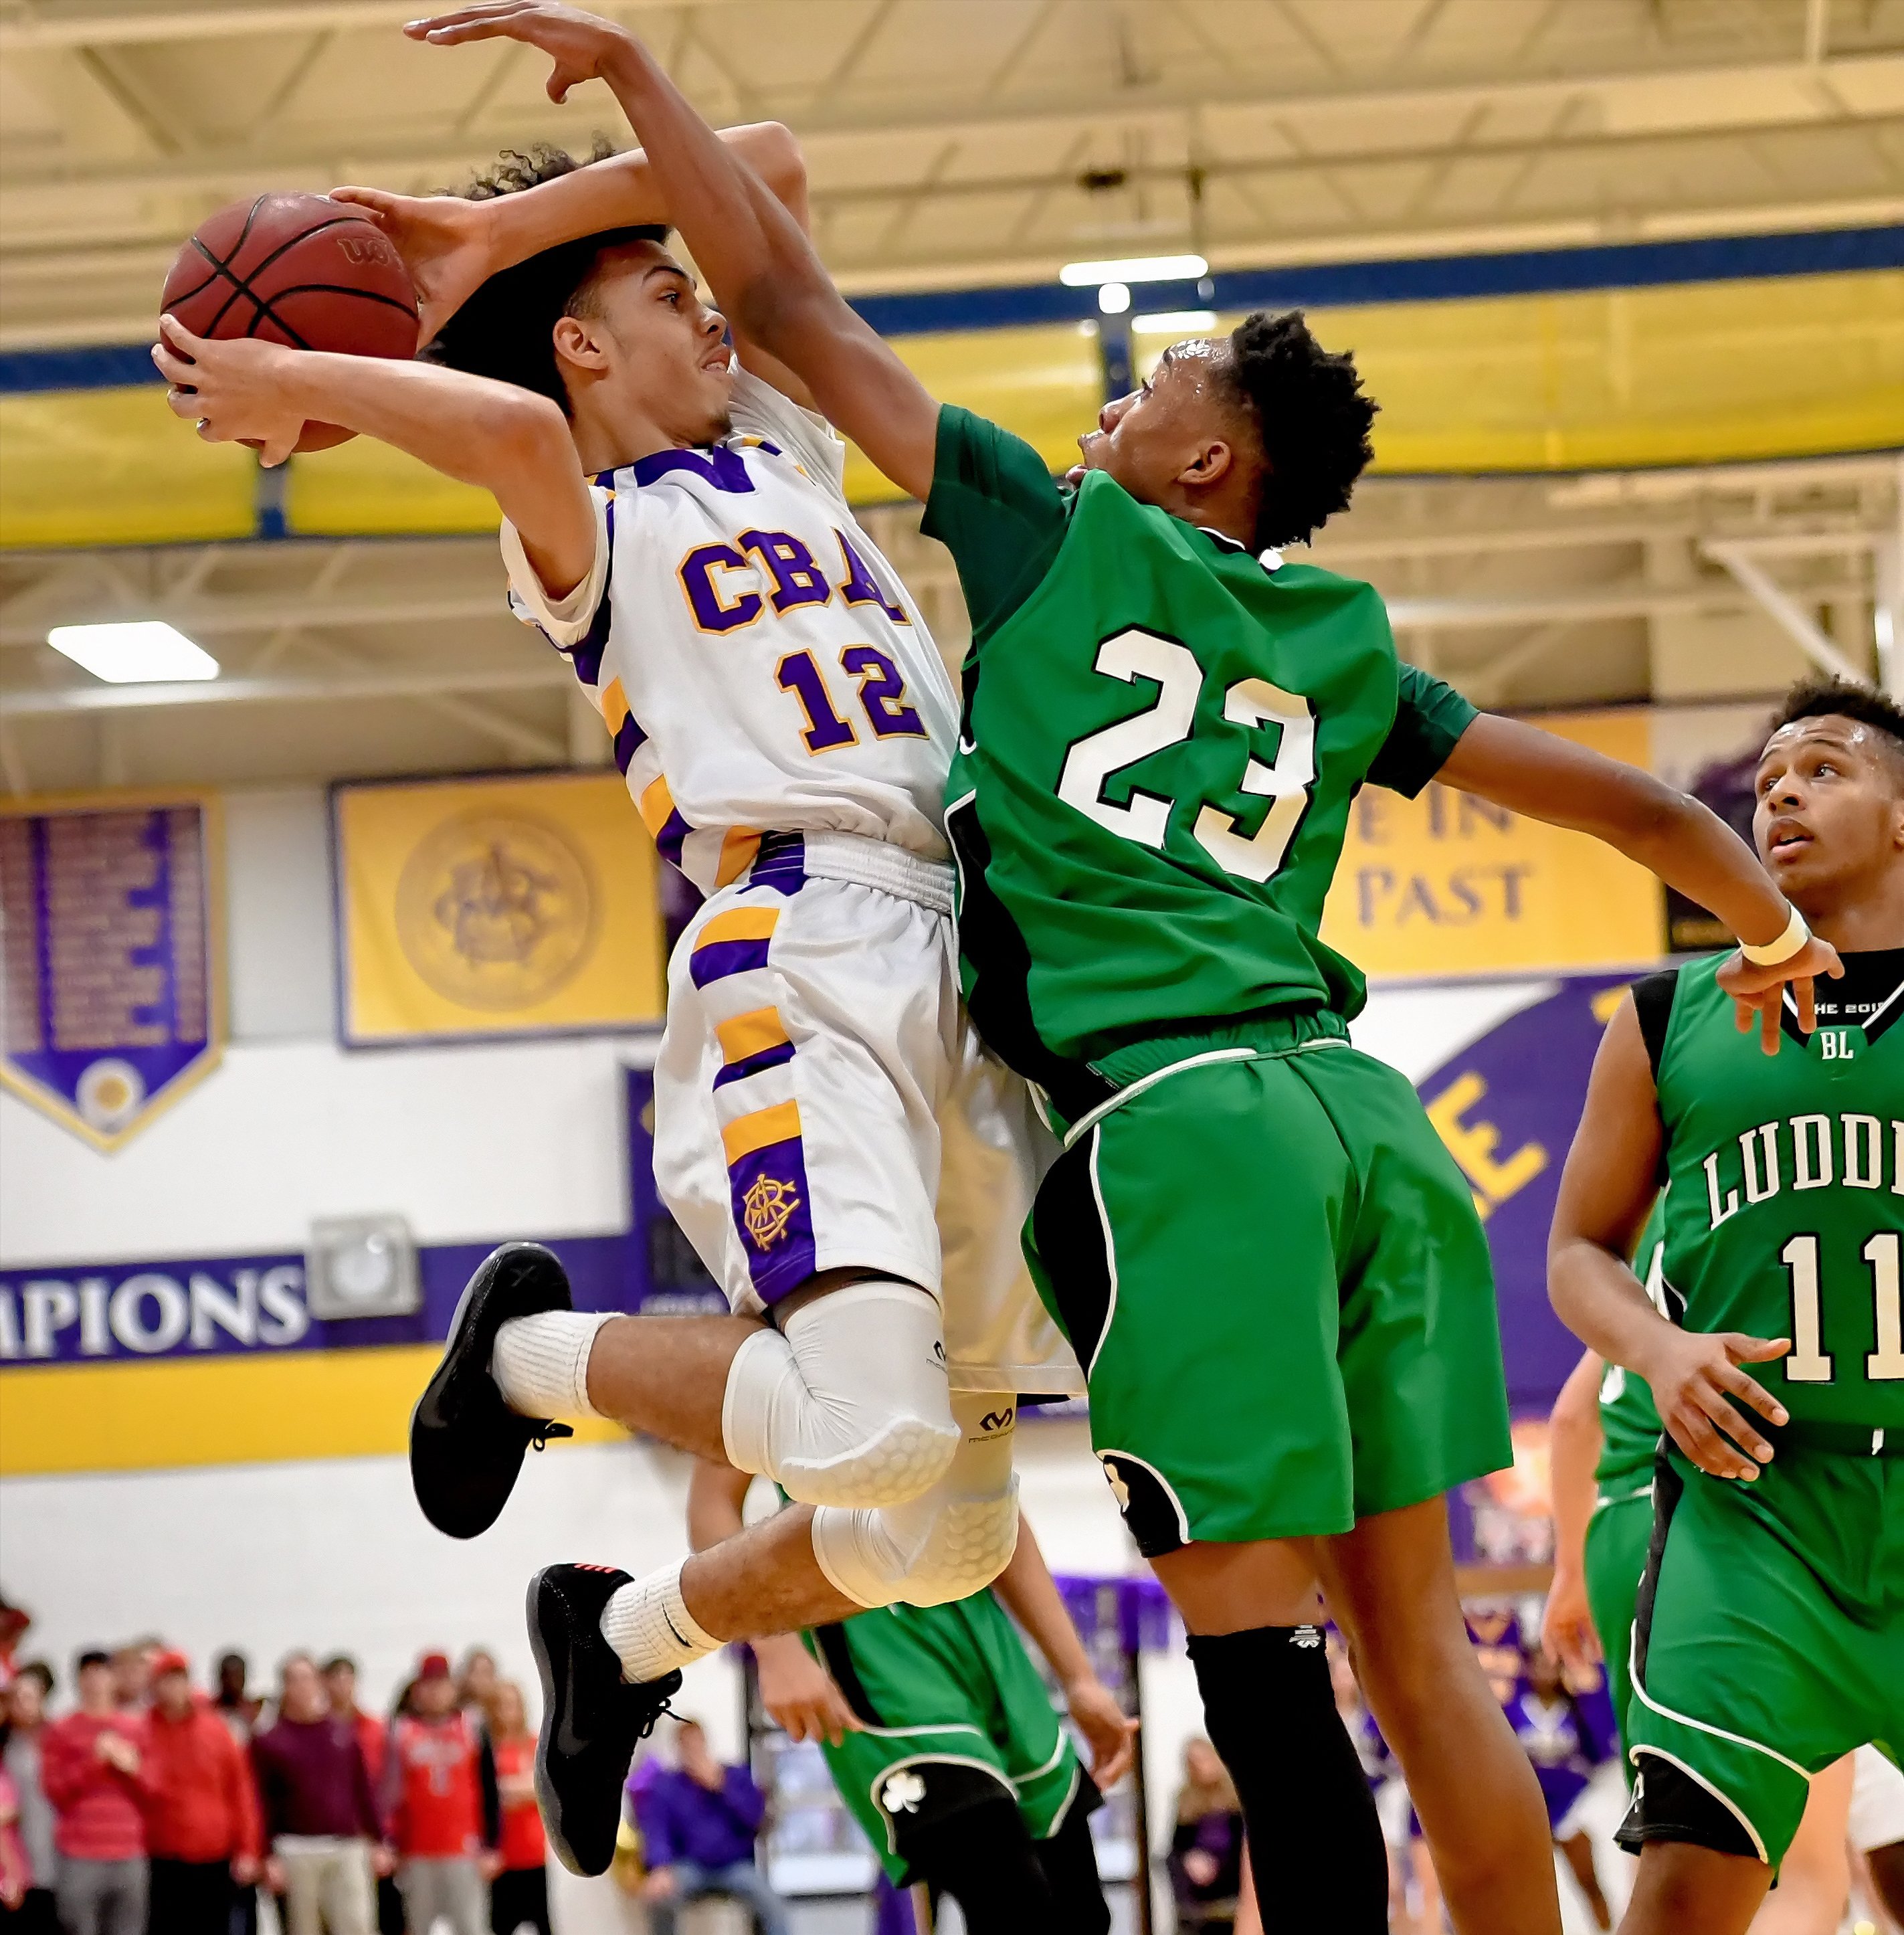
[
  {"x": 506, "y": 330},
  {"x": 1833, "y": 698},
  {"x": 1312, "y": 416}
]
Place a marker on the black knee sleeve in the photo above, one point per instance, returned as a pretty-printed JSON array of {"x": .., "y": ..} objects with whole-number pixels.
[
  {"x": 1068, "y": 1857},
  {"x": 983, "y": 1857},
  {"x": 1315, "y": 1843}
]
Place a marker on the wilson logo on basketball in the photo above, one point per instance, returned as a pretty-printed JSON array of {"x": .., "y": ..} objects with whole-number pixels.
[{"x": 364, "y": 247}]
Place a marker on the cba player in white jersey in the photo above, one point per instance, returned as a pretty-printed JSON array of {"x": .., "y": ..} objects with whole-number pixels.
[{"x": 785, "y": 724}]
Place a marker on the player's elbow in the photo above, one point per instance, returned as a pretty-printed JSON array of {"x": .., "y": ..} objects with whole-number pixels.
[{"x": 775, "y": 153}]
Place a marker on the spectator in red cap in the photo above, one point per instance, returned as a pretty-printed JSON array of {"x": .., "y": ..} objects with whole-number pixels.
[
  {"x": 92, "y": 1767},
  {"x": 441, "y": 1798},
  {"x": 202, "y": 1832}
]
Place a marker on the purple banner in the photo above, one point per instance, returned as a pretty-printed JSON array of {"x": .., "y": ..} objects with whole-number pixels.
[
  {"x": 1507, "y": 1106},
  {"x": 111, "y": 989}
]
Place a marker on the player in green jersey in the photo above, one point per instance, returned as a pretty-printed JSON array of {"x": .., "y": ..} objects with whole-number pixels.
[
  {"x": 1769, "y": 1637},
  {"x": 1255, "y": 1237},
  {"x": 1602, "y": 1437},
  {"x": 942, "y": 1739}
]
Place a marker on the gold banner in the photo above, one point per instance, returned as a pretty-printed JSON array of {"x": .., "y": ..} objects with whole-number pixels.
[
  {"x": 494, "y": 906},
  {"x": 1447, "y": 884}
]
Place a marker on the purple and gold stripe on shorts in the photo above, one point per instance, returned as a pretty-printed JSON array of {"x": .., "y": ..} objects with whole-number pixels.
[
  {"x": 750, "y": 1042},
  {"x": 773, "y": 1208},
  {"x": 732, "y": 942}
]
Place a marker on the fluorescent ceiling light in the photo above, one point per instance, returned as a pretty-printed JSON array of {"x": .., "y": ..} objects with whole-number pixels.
[
  {"x": 1113, "y": 298},
  {"x": 1176, "y": 322},
  {"x": 140, "y": 652},
  {"x": 1139, "y": 269}
]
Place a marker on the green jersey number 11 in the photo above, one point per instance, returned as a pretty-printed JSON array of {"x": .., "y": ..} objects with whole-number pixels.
[
  {"x": 1091, "y": 762},
  {"x": 1808, "y": 1362}
]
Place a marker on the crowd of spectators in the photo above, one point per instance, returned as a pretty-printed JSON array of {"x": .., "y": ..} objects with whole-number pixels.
[{"x": 150, "y": 1807}]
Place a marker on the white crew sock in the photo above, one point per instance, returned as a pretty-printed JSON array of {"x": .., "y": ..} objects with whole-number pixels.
[
  {"x": 540, "y": 1363},
  {"x": 650, "y": 1626}
]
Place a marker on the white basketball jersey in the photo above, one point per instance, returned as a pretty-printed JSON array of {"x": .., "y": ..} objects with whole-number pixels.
[{"x": 756, "y": 660}]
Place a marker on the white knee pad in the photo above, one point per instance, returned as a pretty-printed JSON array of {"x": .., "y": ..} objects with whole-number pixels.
[
  {"x": 846, "y": 1405},
  {"x": 945, "y": 1544}
]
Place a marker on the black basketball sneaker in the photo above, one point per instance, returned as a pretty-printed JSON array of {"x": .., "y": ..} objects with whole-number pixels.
[
  {"x": 466, "y": 1445},
  {"x": 593, "y": 1718}
]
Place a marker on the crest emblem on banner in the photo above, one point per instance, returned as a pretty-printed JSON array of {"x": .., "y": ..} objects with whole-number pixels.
[{"x": 112, "y": 956}]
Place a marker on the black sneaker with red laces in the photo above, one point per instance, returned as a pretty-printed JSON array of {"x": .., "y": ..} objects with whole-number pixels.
[
  {"x": 593, "y": 1718},
  {"x": 466, "y": 1445}
]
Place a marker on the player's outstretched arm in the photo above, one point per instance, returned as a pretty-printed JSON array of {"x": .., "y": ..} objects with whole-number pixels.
[
  {"x": 1606, "y": 1190},
  {"x": 507, "y": 441},
  {"x": 1684, "y": 842},
  {"x": 452, "y": 245},
  {"x": 761, "y": 268},
  {"x": 1574, "y": 1441},
  {"x": 1031, "y": 1596}
]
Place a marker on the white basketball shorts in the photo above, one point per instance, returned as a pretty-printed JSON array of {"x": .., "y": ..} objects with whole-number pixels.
[{"x": 818, "y": 1091}]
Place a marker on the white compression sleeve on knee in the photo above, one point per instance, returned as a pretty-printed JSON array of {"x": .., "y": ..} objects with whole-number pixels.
[
  {"x": 847, "y": 1404},
  {"x": 947, "y": 1543},
  {"x": 540, "y": 1363}
]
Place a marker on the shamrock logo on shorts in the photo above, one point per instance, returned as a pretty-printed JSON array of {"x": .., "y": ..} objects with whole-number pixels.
[{"x": 902, "y": 1792}]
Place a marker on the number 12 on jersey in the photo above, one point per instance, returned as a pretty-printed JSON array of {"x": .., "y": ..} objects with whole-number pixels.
[
  {"x": 1093, "y": 760},
  {"x": 1807, "y": 1362}
]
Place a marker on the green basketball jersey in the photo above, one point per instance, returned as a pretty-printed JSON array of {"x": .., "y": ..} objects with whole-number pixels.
[
  {"x": 1784, "y": 1202},
  {"x": 1629, "y": 1420},
  {"x": 1162, "y": 736}
]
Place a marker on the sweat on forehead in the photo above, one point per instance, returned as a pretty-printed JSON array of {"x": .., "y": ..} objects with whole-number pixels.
[{"x": 1834, "y": 728}]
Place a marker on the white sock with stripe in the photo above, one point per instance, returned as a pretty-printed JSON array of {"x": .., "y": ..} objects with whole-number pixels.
[
  {"x": 540, "y": 1363},
  {"x": 652, "y": 1630}
]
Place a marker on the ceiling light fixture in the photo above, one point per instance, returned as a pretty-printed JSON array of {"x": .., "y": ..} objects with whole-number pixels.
[
  {"x": 137, "y": 652},
  {"x": 1176, "y": 322},
  {"x": 1138, "y": 269},
  {"x": 1113, "y": 298}
]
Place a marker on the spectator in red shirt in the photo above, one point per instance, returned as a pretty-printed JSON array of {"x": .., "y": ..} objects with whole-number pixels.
[
  {"x": 92, "y": 1767},
  {"x": 202, "y": 1832},
  {"x": 441, "y": 1799},
  {"x": 520, "y": 1892}
]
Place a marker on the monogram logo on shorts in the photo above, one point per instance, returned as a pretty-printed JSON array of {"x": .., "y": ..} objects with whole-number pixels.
[
  {"x": 902, "y": 1793},
  {"x": 767, "y": 1209}
]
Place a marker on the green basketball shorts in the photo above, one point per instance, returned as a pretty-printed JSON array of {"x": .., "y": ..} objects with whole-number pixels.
[
  {"x": 1770, "y": 1636},
  {"x": 955, "y": 1714},
  {"x": 1275, "y": 1277},
  {"x": 1617, "y": 1536}
]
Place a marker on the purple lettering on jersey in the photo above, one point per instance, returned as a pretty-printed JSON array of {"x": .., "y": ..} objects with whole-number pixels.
[
  {"x": 882, "y": 692},
  {"x": 798, "y": 579},
  {"x": 861, "y": 587},
  {"x": 725, "y": 470},
  {"x": 696, "y": 574}
]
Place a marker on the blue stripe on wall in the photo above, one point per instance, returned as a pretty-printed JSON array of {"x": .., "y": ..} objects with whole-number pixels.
[{"x": 1322, "y": 286}]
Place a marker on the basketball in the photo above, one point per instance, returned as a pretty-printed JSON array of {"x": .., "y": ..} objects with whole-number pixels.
[{"x": 301, "y": 270}]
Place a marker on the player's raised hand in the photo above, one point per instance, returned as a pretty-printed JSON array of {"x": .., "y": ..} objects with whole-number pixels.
[
  {"x": 447, "y": 243},
  {"x": 582, "y": 46},
  {"x": 233, "y": 391},
  {"x": 1108, "y": 1731},
  {"x": 1693, "y": 1374},
  {"x": 1758, "y": 993}
]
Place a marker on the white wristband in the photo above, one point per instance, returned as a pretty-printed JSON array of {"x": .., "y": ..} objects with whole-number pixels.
[{"x": 1788, "y": 944}]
